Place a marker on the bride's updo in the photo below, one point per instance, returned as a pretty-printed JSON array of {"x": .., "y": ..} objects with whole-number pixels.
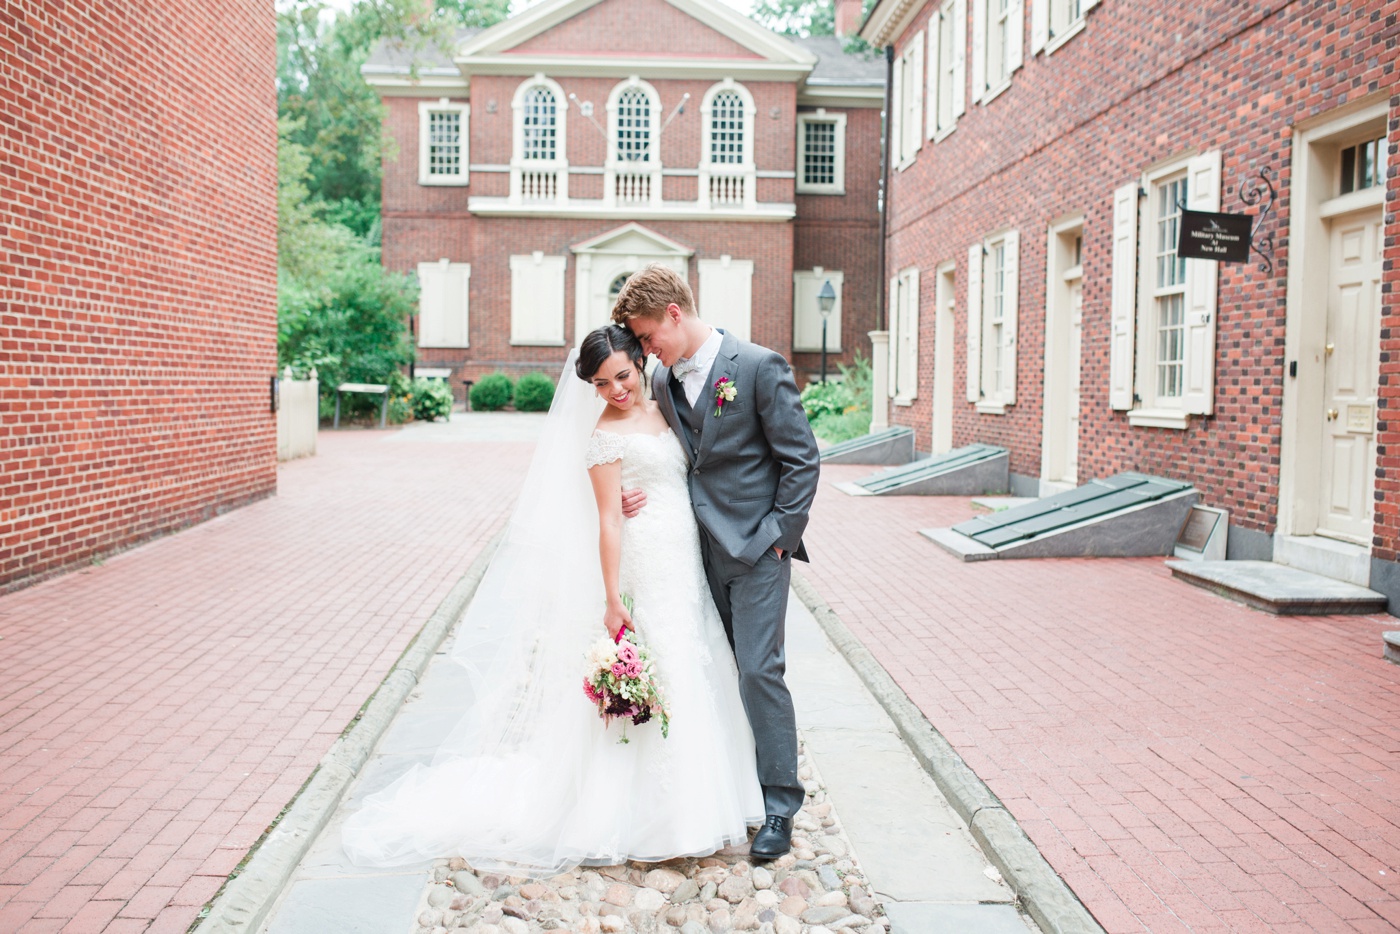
[{"x": 602, "y": 343}]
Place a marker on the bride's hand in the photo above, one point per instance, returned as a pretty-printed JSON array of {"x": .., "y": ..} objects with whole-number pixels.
[{"x": 616, "y": 618}]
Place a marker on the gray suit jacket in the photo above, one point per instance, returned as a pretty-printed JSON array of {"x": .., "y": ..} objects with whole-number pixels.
[{"x": 753, "y": 473}]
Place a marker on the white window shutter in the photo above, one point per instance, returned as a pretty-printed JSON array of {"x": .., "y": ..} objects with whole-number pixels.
[
  {"x": 1016, "y": 35},
  {"x": 1040, "y": 25},
  {"x": 1202, "y": 194},
  {"x": 896, "y": 108},
  {"x": 979, "y": 49},
  {"x": 726, "y": 294},
  {"x": 960, "y": 57},
  {"x": 1011, "y": 290},
  {"x": 933, "y": 73},
  {"x": 916, "y": 108},
  {"x": 1124, "y": 298},
  {"x": 537, "y": 300},
  {"x": 1086, "y": 5},
  {"x": 431, "y": 282},
  {"x": 909, "y": 338},
  {"x": 974, "y": 322},
  {"x": 454, "y": 317},
  {"x": 892, "y": 316}
]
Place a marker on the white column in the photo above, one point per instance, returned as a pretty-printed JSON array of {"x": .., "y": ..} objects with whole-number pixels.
[{"x": 879, "y": 378}]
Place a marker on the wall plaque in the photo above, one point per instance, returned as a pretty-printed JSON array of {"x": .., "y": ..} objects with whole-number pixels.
[
  {"x": 1221, "y": 237},
  {"x": 1196, "y": 532},
  {"x": 1203, "y": 535},
  {"x": 1359, "y": 419}
]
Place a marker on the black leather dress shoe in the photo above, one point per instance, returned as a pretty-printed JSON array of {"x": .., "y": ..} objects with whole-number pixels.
[{"x": 773, "y": 839}]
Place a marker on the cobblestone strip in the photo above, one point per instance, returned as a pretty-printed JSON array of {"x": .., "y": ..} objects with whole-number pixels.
[
  {"x": 818, "y": 888},
  {"x": 242, "y": 904},
  {"x": 1044, "y": 895}
]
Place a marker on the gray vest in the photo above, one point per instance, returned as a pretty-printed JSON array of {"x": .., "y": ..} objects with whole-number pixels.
[{"x": 692, "y": 418}]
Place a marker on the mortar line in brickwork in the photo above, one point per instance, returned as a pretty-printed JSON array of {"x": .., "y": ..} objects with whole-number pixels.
[{"x": 1087, "y": 121}]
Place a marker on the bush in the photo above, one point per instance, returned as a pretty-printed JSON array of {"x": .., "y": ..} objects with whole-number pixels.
[
  {"x": 432, "y": 399},
  {"x": 820, "y": 399},
  {"x": 492, "y": 393},
  {"x": 840, "y": 411},
  {"x": 534, "y": 393}
]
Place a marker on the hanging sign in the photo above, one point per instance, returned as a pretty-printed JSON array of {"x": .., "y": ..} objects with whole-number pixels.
[{"x": 1220, "y": 237}]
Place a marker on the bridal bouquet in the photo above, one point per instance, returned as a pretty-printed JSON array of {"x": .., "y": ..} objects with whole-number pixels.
[{"x": 621, "y": 681}]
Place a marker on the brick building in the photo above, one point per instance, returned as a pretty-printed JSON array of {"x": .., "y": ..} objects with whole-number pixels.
[
  {"x": 138, "y": 231},
  {"x": 557, "y": 152},
  {"x": 1043, "y": 150}
]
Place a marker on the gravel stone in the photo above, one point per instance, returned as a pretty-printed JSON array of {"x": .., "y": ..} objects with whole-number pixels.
[
  {"x": 828, "y": 878},
  {"x": 793, "y": 906},
  {"x": 685, "y": 891},
  {"x": 761, "y": 878},
  {"x": 648, "y": 900},
  {"x": 707, "y": 891},
  {"x": 823, "y": 915},
  {"x": 735, "y": 889},
  {"x": 467, "y": 883}
]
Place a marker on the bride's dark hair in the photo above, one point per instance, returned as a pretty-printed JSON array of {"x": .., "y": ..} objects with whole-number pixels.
[{"x": 602, "y": 343}]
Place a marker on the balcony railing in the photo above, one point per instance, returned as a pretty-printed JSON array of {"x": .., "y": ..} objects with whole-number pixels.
[
  {"x": 727, "y": 187},
  {"x": 539, "y": 182}
]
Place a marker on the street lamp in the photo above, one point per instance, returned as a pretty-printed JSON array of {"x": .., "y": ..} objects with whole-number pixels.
[{"x": 826, "y": 300}]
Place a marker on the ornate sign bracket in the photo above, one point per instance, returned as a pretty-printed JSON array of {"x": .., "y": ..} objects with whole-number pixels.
[{"x": 1252, "y": 192}]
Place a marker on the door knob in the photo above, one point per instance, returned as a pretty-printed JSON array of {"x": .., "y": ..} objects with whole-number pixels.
[
  {"x": 1332, "y": 415},
  {"x": 1329, "y": 348}
]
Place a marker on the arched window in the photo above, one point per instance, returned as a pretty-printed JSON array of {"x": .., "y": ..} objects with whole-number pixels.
[
  {"x": 539, "y": 167},
  {"x": 727, "y": 128},
  {"x": 540, "y": 124},
  {"x": 634, "y": 116},
  {"x": 727, "y": 173},
  {"x": 615, "y": 289}
]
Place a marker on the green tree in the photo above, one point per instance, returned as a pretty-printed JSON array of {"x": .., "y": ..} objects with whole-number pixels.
[{"x": 797, "y": 17}]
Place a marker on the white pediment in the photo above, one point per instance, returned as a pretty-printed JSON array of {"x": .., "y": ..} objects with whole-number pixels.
[{"x": 632, "y": 240}]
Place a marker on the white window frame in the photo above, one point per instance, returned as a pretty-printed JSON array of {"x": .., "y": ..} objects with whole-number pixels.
[
  {"x": 426, "y": 109},
  {"x": 838, "y": 122},
  {"x": 1134, "y": 347},
  {"x": 907, "y": 97},
  {"x": 806, "y": 313},
  {"x": 537, "y": 300},
  {"x": 985, "y": 17},
  {"x": 731, "y": 311},
  {"x": 428, "y": 335},
  {"x": 993, "y": 306},
  {"x": 947, "y": 68},
  {"x": 523, "y": 171},
  {"x": 1055, "y": 22},
  {"x": 904, "y": 336},
  {"x": 631, "y": 175},
  {"x": 744, "y": 170}
]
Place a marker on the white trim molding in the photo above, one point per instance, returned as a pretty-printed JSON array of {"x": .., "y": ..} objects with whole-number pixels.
[
  {"x": 837, "y": 185},
  {"x": 426, "y": 173},
  {"x": 539, "y": 181},
  {"x": 727, "y": 185}
]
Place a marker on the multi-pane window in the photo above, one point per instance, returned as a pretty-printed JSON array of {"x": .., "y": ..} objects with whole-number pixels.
[
  {"x": 1363, "y": 165},
  {"x": 634, "y": 126},
  {"x": 821, "y": 151},
  {"x": 1063, "y": 15},
  {"x": 540, "y": 116},
  {"x": 997, "y": 29},
  {"x": 998, "y": 41},
  {"x": 996, "y": 318},
  {"x": 947, "y": 68},
  {"x": 1168, "y": 287},
  {"x": 727, "y": 128},
  {"x": 442, "y": 143},
  {"x": 992, "y": 297}
]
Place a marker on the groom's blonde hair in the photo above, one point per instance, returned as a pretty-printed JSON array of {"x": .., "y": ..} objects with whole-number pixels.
[{"x": 647, "y": 293}]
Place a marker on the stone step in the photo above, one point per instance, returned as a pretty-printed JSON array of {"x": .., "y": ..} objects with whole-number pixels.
[
  {"x": 1279, "y": 589},
  {"x": 1392, "y": 647}
]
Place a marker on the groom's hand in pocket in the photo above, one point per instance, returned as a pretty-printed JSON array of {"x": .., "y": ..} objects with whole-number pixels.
[{"x": 632, "y": 502}]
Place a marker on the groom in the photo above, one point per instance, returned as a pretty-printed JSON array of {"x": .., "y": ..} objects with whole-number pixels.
[{"x": 752, "y": 476}]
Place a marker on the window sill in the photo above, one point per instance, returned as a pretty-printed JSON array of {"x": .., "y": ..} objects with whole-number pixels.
[
  {"x": 993, "y": 93},
  {"x": 821, "y": 189},
  {"x": 940, "y": 135},
  {"x": 516, "y": 343},
  {"x": 991, "y": 408},
  {"x": 1159, "y": 418},
  {"x": 443, "y": 182},
  {"x": 1074, "y": 29},
  {"x": 904, "y": 401}
]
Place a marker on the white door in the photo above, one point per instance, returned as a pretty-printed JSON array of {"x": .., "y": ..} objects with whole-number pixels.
[
  {"x": 1076, "y": 334},
  {"x": 1352, "y": 364}
]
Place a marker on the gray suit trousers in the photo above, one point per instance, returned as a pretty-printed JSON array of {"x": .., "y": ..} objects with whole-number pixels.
[{"x": 752, "y": 602}]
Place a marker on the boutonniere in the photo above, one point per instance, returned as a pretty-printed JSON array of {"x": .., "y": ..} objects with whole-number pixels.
[{"x": 724, "y": 392}]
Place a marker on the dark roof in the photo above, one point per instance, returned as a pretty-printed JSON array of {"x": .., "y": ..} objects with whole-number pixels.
[
  {"x": 837, "y": 66},
  {"x": 398, "y": 55}
]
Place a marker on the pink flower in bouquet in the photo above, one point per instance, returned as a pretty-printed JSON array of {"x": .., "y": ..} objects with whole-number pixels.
[
  {"x": 627, "y": 653},
  {"x": 591, "y": 692}
]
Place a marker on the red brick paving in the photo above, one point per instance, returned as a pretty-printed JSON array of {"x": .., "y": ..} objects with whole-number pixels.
[
  {"x": 1185, "y": 763},
  {"x": 157, "y": 712}
]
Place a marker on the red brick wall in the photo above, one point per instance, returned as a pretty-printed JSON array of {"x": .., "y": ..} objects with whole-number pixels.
[
  {"x": 1141, "y": 84},
  {"x": 137, "y": 273},
  {"x": 645, "y": 28}
]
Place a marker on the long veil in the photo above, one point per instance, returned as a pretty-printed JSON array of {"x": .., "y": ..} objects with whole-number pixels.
[{"x": 494, "y": 791}]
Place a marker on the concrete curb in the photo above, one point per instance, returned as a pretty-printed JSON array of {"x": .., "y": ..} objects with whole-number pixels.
[
  {"x": 244, "y": 902},
  {"x": 1043, "y": 894}
]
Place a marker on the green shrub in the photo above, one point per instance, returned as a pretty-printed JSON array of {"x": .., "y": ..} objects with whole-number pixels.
[
  {"x": 432, "y": 399},
  {"x": 820, "y": 399},
  {"x": 533, "y": 393},
  {"x": 836, "y": 427},
  {"x": 492, "y": 393},
  {"x": 840, "y": 411},
  {"x": 400, "y": 398}
]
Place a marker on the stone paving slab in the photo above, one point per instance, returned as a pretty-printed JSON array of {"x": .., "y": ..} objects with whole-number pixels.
[
  {"x": 1277, "y": 588},
  {"x": 1183, "y": 762},
  {"x": 158, "y": 711}
]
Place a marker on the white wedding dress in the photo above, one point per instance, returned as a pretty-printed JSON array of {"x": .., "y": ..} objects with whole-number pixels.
[{"x": 533, "y": 782}]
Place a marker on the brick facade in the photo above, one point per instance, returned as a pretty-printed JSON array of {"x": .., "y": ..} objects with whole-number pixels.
[
  {"x": 137, "y": 274},
  {"x": 618, "y": 38},
  {"x": 1140, "y": 85}
]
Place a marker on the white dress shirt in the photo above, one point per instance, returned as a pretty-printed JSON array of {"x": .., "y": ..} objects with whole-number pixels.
[{"x": 693, "y": 382}]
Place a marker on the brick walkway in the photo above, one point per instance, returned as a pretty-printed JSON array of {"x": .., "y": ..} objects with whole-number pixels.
[
  {"x": 157, "y": 712},
  {"x": 1186, "y": 764}
]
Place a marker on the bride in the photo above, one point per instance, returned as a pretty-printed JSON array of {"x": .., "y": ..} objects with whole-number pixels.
[{"x": 532, "y": 781}]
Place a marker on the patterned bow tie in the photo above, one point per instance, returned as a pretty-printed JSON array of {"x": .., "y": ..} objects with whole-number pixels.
[{"x": 683, "y": 367}]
